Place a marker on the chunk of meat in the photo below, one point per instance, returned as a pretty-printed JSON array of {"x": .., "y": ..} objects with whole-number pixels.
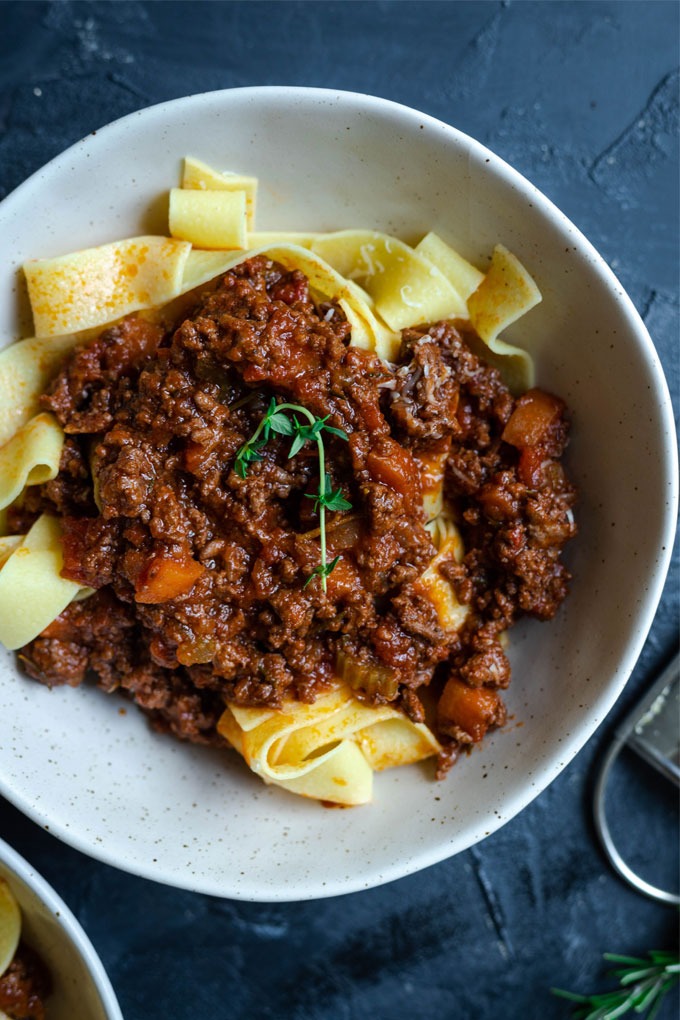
[
  {"x": 80, "y": 396},
  {"x": 25, "y": 986}
]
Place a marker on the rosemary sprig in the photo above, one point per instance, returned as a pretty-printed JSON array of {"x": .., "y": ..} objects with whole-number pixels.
[
  {"x": 642, "y": 987},
  {"x": 276, "y": 420}
]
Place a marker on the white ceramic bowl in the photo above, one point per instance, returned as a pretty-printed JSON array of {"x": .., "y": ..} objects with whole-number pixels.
[
  {"x": 197, "y": 819},
  {"x": 80, "y": 986}
]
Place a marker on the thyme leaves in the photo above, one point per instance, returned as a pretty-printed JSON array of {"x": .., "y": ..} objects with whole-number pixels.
[{"x": 282, "y": 419}]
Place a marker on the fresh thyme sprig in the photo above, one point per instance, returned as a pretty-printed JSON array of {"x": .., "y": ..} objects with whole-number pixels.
[
  {"x": 643, "y": 985},
  {"x": 276, "y": 420},
  {"x": 322, "y": 571},
  {"x": 248, "y": 454},
  {"x": 331, "y": 500}
]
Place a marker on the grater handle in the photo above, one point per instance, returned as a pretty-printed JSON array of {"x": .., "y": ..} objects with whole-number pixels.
[{"x": 628, "y": 734}]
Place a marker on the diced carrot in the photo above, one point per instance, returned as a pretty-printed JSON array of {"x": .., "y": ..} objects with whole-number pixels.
[
  {"x": 530, "y": 464},
  {"x": 471, "y": 709},
  {"x": 530, "y": 422},
  {"x": 371, "y": 414},
  {"x": 165, "y": 578},
  {"x": 392, "y": 465}
]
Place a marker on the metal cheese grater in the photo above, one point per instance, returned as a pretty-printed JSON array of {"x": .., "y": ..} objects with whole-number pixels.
[{"x": 652, "y": 729}]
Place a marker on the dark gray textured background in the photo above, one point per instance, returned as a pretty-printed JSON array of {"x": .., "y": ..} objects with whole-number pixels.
[{"x": 582, "y": 98}]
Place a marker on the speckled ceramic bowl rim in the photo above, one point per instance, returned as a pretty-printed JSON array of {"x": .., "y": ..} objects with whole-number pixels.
[
  {"x": 601, "y": 705},
  {"x": 69, "y": 924}
]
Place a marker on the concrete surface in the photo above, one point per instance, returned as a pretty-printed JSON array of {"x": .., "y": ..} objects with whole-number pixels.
[{"x": 583, "y": 99}]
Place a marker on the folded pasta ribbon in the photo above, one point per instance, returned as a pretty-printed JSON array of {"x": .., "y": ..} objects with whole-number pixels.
[
  {"x": 407, "y": 289},
  {"x": 433, "y": 585},
  {"x": 212, "y": 209},
  {"x": 10, "y": 926},
  {"x": 209, "y": 219},
  {"x": 381, "y": 284},
  {"x": 505, "y": 294},
  {"x": 26, "y": 369},
  {"x": 32, "y": 591},
  {"x": 327, "y": 750},
  {"x": 30, "y": 457},
  {"x": 465, "y": 277},
  {"x": 198, "y": 176}
]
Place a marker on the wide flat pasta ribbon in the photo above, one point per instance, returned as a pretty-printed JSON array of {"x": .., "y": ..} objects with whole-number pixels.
[
  {"x": 368, "y": 331},
  {"x": 407, "y": 289},
  {"x": 98, "y": 285},
  {"x": 8, "y": 543},
  {"x": 505, "y": 294},
  {"x": 10, "y": 927},
  {"x": 446, "y": 538},
  {"x": 32, "y": 591},
  {"x": 401, "y": 287},
  {"x": 327, "y": 750},
  {"x": 26, "y": 369},
  {"x": 465, "y": 277},
  {"x": 30, "y": 457}
]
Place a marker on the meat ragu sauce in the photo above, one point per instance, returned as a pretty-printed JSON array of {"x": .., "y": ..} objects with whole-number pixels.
[
  {"x": 200, "y": 574},
  {"x": 25, "y": 986}
]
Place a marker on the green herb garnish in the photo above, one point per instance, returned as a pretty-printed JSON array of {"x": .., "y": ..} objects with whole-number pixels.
[
  {"x": 276, "y": 420},
  {"x": 246, "y": 455},
  {"x": 322, "y": 571},
  {"x": 331, "y": 500},
  {"x": 642, "y": 987}
]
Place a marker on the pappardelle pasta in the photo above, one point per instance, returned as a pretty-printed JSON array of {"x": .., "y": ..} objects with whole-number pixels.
[
  {"x": 25, "y": 982},
  {"x": 275, "y": 488}
]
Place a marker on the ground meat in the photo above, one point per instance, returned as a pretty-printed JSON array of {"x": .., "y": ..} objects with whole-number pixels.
[
  {"x": 203, "y": 575},
  {"x": 25, "y": 986},
  {"x": 81, "y": 396},
  {"x": 483, "y": 661}
]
